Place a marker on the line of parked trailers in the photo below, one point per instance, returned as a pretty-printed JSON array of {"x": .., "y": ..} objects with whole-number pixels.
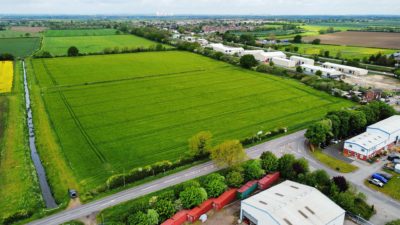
[{"x": 226, "y": 198}]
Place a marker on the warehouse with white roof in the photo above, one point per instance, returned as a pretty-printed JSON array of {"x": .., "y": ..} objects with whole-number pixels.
[
  {"x": 378, "y": 137},
  {"x": 326, "y": 73},
  {"x": 291, "y": 203},
  {"x": 282, "y": 62},
  {"x": 301, "y": 60},
  {"x": 346, "y": 69},
  {"x": 226, "y": 49}
]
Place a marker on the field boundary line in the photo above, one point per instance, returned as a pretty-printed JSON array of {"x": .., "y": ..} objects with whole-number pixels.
[
  {"x": 58, "y": 87},
  {"x": 86, "y": 136}
]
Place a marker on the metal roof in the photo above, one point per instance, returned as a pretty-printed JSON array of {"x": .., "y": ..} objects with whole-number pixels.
[
  {"x": 367, "y": 140},
  {"x": 294, "y": 203},
  {"x": 344, "y": 66},
  {"x": 389, "y": 125}
]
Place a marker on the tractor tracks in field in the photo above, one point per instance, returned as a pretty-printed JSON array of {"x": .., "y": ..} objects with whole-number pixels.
[{"x": 77, "y": 122}]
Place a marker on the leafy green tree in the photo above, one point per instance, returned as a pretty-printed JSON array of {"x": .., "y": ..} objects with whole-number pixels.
[
  {"x": 319, "y": 132},
  {"x": 165, "y": 209},
  {"x": 316, "y": 41},
  {"x": 335, "y": 125},
  {"x": 234, "y": 179},
  {"x": 253, "y": 170},
  {"x": 139, "y": 218},
  {"x": 300, "y": 166},
  {"x": 229, "y": 153},
  {"x": 269, "y": 162},
  {"x": 152, "y": 217},
  {"x": 285, "y": 166},
  {"x": 341, "y": 183},
  {"x": 200, "y": 144},
  {"x": 192, "y": 196},
  {"x": 357, "y": 121},
  {"x": 318, "y": 73},
  {"x": 247, "y": 39},
  {"x": 297, "y": 39},
  {"x": 73, "y": 51},
  {"x": 248, "y": 61},
  {"x": 397, "y": 73},
  {"x": 215, "y": 188},
  {"x": 326, "y": 54},
  {"x": 299, "y": 69}
]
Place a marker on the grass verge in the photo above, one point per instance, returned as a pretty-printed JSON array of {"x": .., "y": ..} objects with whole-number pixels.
[{"x": 333, "y": 163}]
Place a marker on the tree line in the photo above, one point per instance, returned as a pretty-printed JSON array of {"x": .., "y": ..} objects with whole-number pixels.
[{"x": 345, "y": 123}]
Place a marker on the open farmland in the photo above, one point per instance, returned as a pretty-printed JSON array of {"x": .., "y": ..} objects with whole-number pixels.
[
  {"x": 83, "y": 32},
  {"x": 19, "y": 46},
  {"x": 116, "y": 112},
  {"x": 346, "y": 52},
  {"x": 366, "y": 39},
  {"x": 93, "y": 44},
  {"x": 19, "y": 189},
  {"x": 6, "y": 76}
]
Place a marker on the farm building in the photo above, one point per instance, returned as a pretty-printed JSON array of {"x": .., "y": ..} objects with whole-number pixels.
[
  {"x": 378, "y": 137},
  {"x": 327, "y": 73},
  {"x": 286, "y": 63},
  {"x": 290, "y": 203},
  {"x": 202, "y": 41},
  {"x": 267, "y": 56},
  {"x": 345, "y": 69},
  {"x": 301, "y": 60},
  {"x": 226, "y": 49}
]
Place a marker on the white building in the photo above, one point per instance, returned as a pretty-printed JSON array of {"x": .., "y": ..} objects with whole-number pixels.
[
  {"x": 202, "y": 41},
  {"x": 327, "y": 73},
  {"x": 346, "y": 69},
  {"x": 267, "y": 56},
  {"x": 378, "y": 137},
  {"x": 189, "y": 39},
  {"x": 226, "y": 49},
  {"x": 286, "y": 63},
  {"x": 291, "y": 203},
  {"x": 302, "y": 61}
]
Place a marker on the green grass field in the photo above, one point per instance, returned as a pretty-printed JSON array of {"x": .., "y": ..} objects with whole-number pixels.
[
  {"x": 19, "y": 46},
  {"x": 334, "y": 163},
  {"x": 83, "y": 32},
  {"x": 392, "y": 188},
  {"x": 347, "y": 52},
  {"x": 15, "y": 34},
  {"x": 19, "y": 189},
  {"x": 93, "y": 44},
  {"x": 115, "y": 112}
]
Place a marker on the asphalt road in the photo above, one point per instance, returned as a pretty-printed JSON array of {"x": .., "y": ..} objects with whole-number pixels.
[{"x": 388, "y": 209}]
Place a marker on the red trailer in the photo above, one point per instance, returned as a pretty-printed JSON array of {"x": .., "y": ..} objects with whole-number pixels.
[
  {"x": 268, "y": 180},
  {"x": 226, "y": 198},
  {"x": 195, "y": 213}
]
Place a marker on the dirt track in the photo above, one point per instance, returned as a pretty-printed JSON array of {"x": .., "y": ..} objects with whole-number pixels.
[{"x": 365, "y": 39}]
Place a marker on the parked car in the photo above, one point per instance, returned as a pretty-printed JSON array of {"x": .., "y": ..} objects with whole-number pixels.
[
  {"x": 375, "y": 182},
  {"x": 393, "y": 157},
  {"x": 379, "y": 177},
  {"x": 385, "y": 175}
]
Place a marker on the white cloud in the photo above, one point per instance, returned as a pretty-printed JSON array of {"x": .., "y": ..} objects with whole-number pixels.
[{"x": 255, "y": 7}]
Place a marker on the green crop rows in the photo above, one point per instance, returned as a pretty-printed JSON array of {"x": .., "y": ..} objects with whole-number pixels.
[
  {"x": 116, "y": 112},
  {"x": 19, "y": 46}
]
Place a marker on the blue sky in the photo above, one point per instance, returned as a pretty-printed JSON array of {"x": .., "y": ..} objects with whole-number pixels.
[{"x": 220, "y": 7}]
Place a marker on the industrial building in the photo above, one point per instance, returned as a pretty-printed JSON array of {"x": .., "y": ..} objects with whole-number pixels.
[
  {"x": 378, "y": 137},
  {"x": 226, "y": 49},
  {"x": 302, "y": 61},
  {"x": 346, "y": 69},
  {"x": 291, "y": 203},
  {"x": 282, "y": 62},
  {"x": 326, "y": 73}
]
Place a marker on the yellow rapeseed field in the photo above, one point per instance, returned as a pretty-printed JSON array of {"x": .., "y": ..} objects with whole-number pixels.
[{"x": 6, "y": 76}]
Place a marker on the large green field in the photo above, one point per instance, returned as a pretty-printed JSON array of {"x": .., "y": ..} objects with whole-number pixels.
[
  {"x": 93, "y": 44},
  {"x": 347, "y": 52},
  {"x": 115, "y": 112},
  {"x": 19, "y": 46},
  {"x": 83, "y": 32},
  {"x": 16, "y": 34},
  {"x": 19, "y": 189}
]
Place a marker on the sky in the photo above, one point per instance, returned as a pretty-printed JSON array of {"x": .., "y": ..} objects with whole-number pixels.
[{"x": 202, "y": 7}]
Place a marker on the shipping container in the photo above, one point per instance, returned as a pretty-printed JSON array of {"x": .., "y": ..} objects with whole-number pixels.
[
  {"x": 195, "y": 213},
  {"x": 247, "y": 189},
  {"x": 268, "y": 181},
  {"x": 180, "y": 217},
  {"x": 226, "y": 198},
  {"x": 168, "y": 222}
]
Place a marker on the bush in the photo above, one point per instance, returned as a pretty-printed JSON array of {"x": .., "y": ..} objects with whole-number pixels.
[
  {"x": 6, "y": 56},
  {"x": 253, "y": 170},
  {"x": 73, "y": 51},
  {"x": 248, "y": 61},
  {"x": 17, "y": 216},
  {"x": 192, "y": 196},
  {"x": 234, "y": 179}
]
